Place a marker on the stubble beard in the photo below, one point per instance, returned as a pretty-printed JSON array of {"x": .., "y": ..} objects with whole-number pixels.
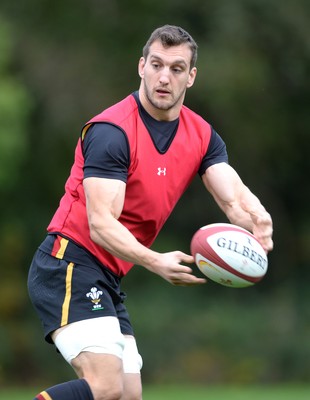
[{"x": 162, "y": 105}]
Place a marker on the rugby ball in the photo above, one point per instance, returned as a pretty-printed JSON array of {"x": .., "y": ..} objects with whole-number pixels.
[{"x": 229, "y": 255}]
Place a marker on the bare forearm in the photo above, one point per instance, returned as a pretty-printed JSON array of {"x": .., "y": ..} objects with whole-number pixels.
[
  {"x": 248, "y": 212},
  {"x": 244, "y": 210},
  {"x": 117, "y": 240},
  {"x": 239, "y": 204},
  {"x": 104, "y": 204}
]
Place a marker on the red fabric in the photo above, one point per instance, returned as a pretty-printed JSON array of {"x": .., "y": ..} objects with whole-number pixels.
[
  {"x": 43, "y": 396},
  {"x": 155, "y": 181}
]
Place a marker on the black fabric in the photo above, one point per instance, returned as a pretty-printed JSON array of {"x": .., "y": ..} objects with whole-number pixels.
[
  {"x": 161, "y": 132},
  {"x": 216, "y": 153},
  {"x": 47, "y": 288},
  {"x": 77, "y": 389},
  {"x": 106, "y": 149},
  {"x": 106, "y": 152}
]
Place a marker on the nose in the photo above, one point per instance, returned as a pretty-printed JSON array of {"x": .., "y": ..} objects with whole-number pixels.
[{"x": 164, "y": 76}]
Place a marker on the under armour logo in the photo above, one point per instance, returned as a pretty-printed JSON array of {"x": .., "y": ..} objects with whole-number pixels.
[{"x": 161, "y": 171}]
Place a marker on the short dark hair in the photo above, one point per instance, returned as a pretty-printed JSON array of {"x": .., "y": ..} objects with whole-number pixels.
[{"x": 171, "y": 35}]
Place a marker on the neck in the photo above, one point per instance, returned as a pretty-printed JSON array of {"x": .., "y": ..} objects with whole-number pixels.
[{"x": 158, "y": 113}]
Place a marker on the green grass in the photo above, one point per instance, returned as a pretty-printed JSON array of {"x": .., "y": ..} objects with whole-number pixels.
[
  {"x": 228, "y": 393},
  {"x": 288, "y": 392}
]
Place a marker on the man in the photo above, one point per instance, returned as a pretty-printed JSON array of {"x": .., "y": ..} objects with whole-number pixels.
[{"x": 132, "y": 164}]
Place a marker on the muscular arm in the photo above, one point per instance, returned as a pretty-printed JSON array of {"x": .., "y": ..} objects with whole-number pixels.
[
  {"x": 104, "y": 202},
  {"x": 239, "y": 204}
]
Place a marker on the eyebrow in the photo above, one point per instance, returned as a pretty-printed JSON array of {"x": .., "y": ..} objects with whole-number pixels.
[{"x": 179, "y": 61}]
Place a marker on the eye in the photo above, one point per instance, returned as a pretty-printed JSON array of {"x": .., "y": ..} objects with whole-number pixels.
[
  {"x": 155, "y": 65},
  {"x": 177, "y": 70}
]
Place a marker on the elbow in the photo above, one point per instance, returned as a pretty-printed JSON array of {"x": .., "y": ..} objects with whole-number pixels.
[
  {"x": 99, "y": 232},
  {"x": 94, "y": 236},
  {"x": 94, "y": 231}
]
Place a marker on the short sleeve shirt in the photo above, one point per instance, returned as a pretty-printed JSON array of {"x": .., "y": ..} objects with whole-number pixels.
[{"x": 106, "y": 148}]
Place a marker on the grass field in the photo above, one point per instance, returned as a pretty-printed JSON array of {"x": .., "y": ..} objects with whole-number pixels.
[{"x": 198, "y": 393}]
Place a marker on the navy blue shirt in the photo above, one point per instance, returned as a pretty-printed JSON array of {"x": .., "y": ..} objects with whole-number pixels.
[{"x": 110, "y": 158}]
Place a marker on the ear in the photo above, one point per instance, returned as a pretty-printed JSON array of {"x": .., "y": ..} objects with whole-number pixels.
[
  {"x": 141, "y": 66},
  {"x": 191, "y": 77}
]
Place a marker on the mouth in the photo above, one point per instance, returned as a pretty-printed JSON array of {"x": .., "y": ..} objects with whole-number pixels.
[{"x": 162, "y": 92}]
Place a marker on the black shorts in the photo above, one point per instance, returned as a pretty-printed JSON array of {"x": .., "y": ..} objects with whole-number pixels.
[{"x": 73, "y": 287}]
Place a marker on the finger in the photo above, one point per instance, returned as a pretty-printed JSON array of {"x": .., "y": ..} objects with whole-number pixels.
[
  {"x": 187, "y": 258},
  {"x": 183, "y": 269},
  {"x": 187, "y": 279},
  {"x": 194, "y": 283},
  {"x": 268, "y": 245}
]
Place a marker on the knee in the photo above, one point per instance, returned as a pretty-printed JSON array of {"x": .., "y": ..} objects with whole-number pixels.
[
  {"x": 105, "y": 376},
  {"x": 132, "y": 387},
  {"x": 133, "y": 394},
  {"x": 102, "y": 392},
  {"x": 103, "y": 372}
]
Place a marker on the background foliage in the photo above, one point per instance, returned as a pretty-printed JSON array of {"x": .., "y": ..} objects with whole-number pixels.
[{"x": 62, "y": 62}]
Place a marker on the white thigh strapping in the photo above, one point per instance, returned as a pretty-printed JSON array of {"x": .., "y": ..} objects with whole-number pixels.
[
  {"x": 99, "y": 335},
  {"x": 132, "y": 360}
]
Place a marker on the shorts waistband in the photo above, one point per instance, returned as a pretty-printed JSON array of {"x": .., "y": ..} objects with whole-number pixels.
[{"x": 63, "y": 248}]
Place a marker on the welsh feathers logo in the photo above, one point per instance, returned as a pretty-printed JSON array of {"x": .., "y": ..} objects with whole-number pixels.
[{"x": 95, "y": 295}]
